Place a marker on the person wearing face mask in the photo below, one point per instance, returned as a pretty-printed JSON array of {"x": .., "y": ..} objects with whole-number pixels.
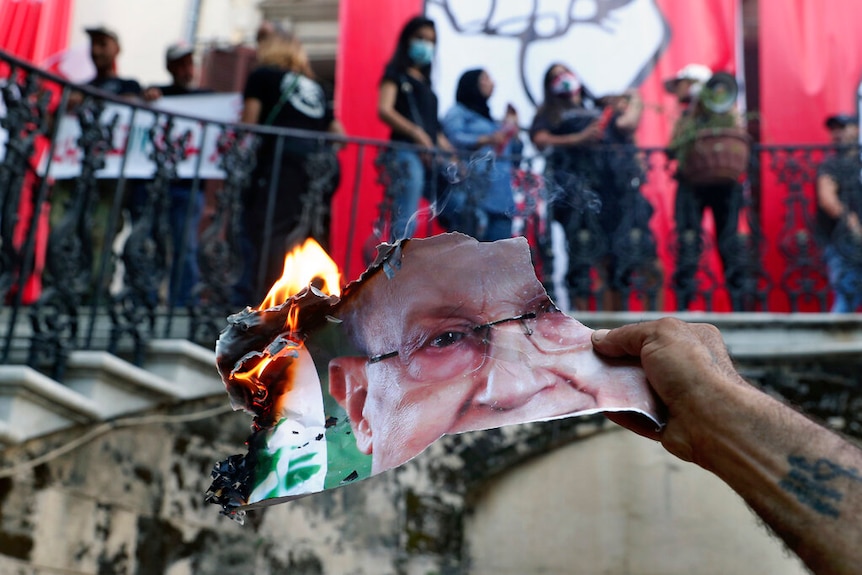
[
  {"x": 408, "y": 105},
  {"x": 482, "y": 203},
  {"x": 567, "y": 124}
]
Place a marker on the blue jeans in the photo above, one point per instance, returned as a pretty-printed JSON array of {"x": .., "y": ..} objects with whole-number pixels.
[
  {"x": 845, "y": 280},
  {"x": 184, "y": 275},
  {"x": 407, "y": 185},
  {"x": 498, "y": 227}
]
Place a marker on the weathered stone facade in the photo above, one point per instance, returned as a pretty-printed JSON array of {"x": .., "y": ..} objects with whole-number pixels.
[{"x": 571, "y": 496}]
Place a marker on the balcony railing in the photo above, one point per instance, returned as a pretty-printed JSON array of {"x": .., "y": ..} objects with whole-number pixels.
[{"x": 112, "y": 262}]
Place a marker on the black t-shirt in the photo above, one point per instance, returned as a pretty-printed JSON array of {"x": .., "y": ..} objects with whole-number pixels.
[
  {"x": 175, "y": 90},
  {"x": 117, "y": 86},
  {"x": 416, "y": 101},
  {"x": 846, "y": 170},
  {"x": 621, "y": 167},
  {"x": 304, "y": 107},
  {"x": 581, "y": 161}
]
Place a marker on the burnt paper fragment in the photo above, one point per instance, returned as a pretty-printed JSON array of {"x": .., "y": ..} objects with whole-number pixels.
[{"x": 438, "y": 336}]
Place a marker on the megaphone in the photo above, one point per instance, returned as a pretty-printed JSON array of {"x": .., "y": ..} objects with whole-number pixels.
[{"x": 718, "y": 94}]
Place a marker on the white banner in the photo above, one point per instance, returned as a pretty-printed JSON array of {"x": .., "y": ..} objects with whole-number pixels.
[{"x": 67, "y": 158}]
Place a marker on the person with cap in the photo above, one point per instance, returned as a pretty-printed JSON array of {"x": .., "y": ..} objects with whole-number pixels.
[
  {"x": 839, "y": 207},
  {"x": 841, "y": 128},
  {"x": 567, "y": 122},
  {"x": 104, "y": 49},
  {"x": 179, "y": 60},
  {"x": 724, "y": 199}
]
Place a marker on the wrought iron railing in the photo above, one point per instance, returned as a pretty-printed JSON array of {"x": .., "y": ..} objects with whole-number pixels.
[{"x": 91, "y": 262}]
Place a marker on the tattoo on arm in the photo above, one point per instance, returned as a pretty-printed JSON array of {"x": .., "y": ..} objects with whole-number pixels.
[{"x": 813, "y": 483}]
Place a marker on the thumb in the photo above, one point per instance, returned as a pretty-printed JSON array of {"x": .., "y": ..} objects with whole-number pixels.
[
  {"x": 603, "y": 345},
  {"x": 615, "y": 343}
]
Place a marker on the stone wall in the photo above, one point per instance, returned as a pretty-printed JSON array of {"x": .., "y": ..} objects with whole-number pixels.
[{"x": 571, "y": 496}]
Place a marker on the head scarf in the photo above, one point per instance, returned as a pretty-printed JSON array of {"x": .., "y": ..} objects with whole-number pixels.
[{"x": 468, "y": 94}]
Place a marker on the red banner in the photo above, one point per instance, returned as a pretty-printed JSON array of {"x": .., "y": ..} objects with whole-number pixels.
[
  {"x": 810, "y": 68},
  {"x": 33, "y": 30},
  {"x": 369, "y": 31}
]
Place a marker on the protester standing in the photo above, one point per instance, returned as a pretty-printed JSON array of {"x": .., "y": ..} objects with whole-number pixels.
[
  {"x": 567, "y": 123},
  {"x": 283, "y": 92},
  {"x": 408, "y": 105},
  {"x": 483, "y": 203},
  {"x": 186, "y": 209}
]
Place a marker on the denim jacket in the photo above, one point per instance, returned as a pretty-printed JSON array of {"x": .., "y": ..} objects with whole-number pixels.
[{"x": 490, "y": 177}]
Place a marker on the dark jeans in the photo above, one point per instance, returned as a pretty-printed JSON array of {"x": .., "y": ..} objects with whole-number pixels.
[
  {"x": 725, "y": 202},
  {"x": 184, "y": 214},
  {"x": 288, "y": 226},
  {"x": 499, "y": 227}
]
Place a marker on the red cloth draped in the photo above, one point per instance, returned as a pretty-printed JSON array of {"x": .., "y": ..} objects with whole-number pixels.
[
  {"x": 810, "y": 68},
  {"x": 33, "y": 30}
]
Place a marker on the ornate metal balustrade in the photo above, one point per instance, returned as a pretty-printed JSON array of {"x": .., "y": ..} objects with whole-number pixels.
[{"x": 91, "y": 262}]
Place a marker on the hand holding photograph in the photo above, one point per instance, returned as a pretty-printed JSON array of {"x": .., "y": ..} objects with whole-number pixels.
[{"x": 439, "y": 336}]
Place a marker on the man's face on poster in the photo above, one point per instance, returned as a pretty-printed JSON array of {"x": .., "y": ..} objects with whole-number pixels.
[{"x": 463, "y": 337}]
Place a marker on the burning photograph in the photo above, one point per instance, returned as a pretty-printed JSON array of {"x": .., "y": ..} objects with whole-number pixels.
[{"x": 439, "y": 336}]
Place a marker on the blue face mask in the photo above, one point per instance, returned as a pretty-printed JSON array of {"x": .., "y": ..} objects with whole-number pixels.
[{"x": 421, "y": 52}]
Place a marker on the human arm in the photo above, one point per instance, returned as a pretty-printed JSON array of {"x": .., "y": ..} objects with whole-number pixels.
[
  {"x": 443, "y": 143},
  {"x": 336, "y": 127},
  {"x": 151, "y": 94},
  {"x": 387, "y": 113},
  {"x": 629, "y": 120},
  {"x": 263, "y": 84},
  {"x": 250, "y": 111},
  {"x": 462, "y": 133},
  {"x": 544, "y": 138},
  {"x": 830, "y": 203},
  {"x": 803, "y": 480}
]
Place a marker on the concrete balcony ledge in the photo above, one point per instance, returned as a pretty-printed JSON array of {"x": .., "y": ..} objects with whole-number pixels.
[
  {"x": 190, "y": 368},
  {"x": 115, "y": 385},
  {"x": 760, "y": 335},
  {"x": 32, "y": 404}
]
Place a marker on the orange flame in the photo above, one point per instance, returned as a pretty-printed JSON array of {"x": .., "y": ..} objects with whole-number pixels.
[
  {"x": 307, "y": 264},
  {"x": 304, "y": 264},
  {"x": 253, "y": 375}
]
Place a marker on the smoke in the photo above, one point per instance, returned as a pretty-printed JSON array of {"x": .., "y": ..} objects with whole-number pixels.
[{"x": 456, "y": 187}]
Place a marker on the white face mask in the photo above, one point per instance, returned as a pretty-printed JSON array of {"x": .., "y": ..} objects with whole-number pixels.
[{"x": 565, "y": 84}]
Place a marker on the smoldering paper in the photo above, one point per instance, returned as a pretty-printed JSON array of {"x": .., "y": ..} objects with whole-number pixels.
[{"x": 438, "y": 336}]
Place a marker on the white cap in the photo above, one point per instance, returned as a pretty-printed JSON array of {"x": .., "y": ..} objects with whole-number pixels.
[
  {"x": 177, "y": 51},
  {"x": 697, "y": 73}
]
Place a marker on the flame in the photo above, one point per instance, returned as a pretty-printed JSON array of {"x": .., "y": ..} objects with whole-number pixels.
[
  {"x": 253, "y": 375},
  {"x": 304, "y": 264},
  {"x": 271, "y": 378}
]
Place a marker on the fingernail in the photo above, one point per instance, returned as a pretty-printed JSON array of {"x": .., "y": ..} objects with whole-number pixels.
[{"x": 600, "y": 334}]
